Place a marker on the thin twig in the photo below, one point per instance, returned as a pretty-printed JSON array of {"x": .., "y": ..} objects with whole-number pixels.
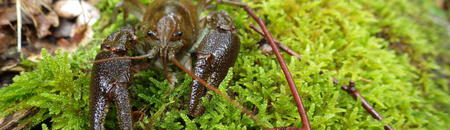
[
  {"x": 281, "y": 46},
  {"x": 351, "y": 89},
  {"x": 215, "y": 90},
  {"x": 292, "y": 86},
  {"x": 19, "y": 26}
]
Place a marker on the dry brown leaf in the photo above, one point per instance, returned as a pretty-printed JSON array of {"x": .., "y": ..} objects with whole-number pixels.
[
  {"x": 7, "y": 15},
  {"x": 34, "y": 10},
  {"x": 79, "y": 33},
  {"x": 64, "y": 29},
  {"x": 65, "y": 44},
  {"x": 42, "y": 28},
  {"x": 44, "y": 22},
  {"x": 7, "y": 38},
  {"x": 68, "y": 8},
  {"x": 39, "y": 19},
  {"x": 89, "y": 15}
]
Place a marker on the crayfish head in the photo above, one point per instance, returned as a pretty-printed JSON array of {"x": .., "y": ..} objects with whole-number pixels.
[
  {"x": 167, "y": 36},
  {"x": 170, "y": 29}
]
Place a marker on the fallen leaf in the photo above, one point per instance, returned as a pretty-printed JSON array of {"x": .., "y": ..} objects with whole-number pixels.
[
  {"x": 89, "y": 15},
  {"x": 7, "y": 15},
  {"x": 69, "y": 8},
  {"x": 64, "y": 29},
  {"x": 79, "y": 33},
  {"x": 65, "y": 44},
  {"x": 6, "y": 38},
  {"x": 42, "y": 21}
]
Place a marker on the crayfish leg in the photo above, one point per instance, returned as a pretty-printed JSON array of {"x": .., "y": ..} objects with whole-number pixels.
[{"x": 216, "y": 53}]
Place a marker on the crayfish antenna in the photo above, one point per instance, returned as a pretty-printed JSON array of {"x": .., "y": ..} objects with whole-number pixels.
[
  {"x": 122, "y": 58},
  {"x": 215, "y": 90}
]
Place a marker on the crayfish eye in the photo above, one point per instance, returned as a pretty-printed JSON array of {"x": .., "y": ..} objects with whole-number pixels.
[
  {"x": 151, "y": 33},
  {"x": 178, "y": 34}
]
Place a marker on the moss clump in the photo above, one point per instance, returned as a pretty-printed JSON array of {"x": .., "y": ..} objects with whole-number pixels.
[
  {"x": 391, "y": 48},
  {"x": 57, "y": 88}
]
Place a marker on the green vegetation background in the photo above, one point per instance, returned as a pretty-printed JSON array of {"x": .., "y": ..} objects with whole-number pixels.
[{"x": 392, "y": 48}]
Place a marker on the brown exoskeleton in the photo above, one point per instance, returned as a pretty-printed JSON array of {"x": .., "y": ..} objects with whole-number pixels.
[{"x": 171, "y": 29}]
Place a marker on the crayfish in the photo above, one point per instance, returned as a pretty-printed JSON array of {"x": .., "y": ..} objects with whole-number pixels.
[{"x": 172, "y": 31}]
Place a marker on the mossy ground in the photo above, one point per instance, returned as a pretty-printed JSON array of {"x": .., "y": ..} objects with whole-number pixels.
[{"x": 391, "y": 48}]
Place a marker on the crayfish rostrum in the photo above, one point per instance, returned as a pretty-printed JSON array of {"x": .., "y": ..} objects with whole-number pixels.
[{"x": 171, "y": 29}]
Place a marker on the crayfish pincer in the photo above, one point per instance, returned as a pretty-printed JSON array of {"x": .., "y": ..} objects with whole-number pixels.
[
  {"x": 110, "y": 80},
  {"x": 171, "y": 30}
]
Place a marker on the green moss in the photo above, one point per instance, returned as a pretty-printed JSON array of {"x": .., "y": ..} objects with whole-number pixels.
[{"x": 391, "y": 48}]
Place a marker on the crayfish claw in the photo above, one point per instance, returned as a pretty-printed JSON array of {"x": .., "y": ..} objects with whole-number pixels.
[
  {"x": 216, "y": 53},
  {"x": 110, "y": 81}
]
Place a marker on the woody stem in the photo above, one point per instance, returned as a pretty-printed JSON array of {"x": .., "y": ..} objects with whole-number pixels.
[
  {"x": 351, "y": 89},
  {"x": 287, "y": 74}
]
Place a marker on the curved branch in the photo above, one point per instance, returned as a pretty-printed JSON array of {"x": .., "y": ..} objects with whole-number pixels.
[{"x": 287, "y": 73}]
